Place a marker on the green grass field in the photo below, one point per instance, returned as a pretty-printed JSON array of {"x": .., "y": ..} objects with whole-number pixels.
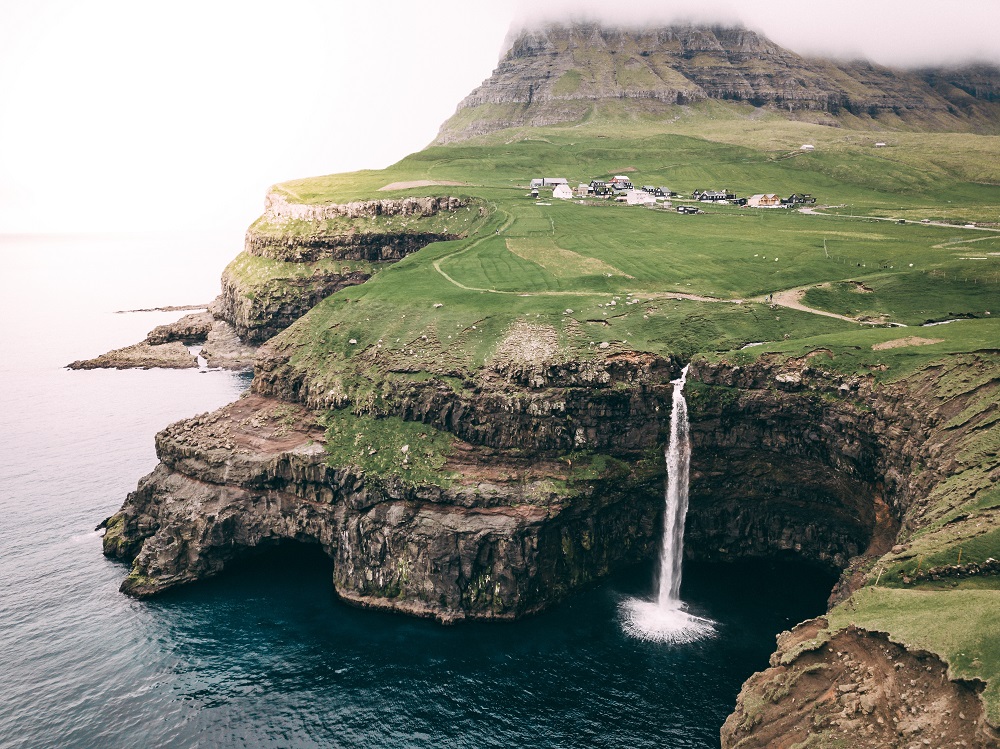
[{"x": 606, "y": 272}]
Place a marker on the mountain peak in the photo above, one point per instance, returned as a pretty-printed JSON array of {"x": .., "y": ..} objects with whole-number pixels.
[{"x": 560, "y": 73}]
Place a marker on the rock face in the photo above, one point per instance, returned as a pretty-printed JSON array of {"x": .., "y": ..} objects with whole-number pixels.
[
  {"x": 297, "y": 254},
  {"x": 859, "y": 684},
  {"x": 189, "y": 329},
  {"x": 277, "y": 209},
  {"x": 558, "y": 73},
  {"x": 789, "y": 459},
  {"x": 499, "y": 543},
  {"x": 260, "y": 309},
  {"x": 793, "y": 471}
]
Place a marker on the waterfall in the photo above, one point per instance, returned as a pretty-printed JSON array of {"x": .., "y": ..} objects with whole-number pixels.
[
  {"x": 666, "y": 619},
  {"x": 678, "y": 457}
]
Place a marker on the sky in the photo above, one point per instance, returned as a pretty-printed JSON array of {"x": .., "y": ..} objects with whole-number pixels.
[{"x": 124, "y": 116}]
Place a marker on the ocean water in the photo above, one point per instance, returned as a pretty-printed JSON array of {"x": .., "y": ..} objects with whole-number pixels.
[{"x": 265, "y": 655}]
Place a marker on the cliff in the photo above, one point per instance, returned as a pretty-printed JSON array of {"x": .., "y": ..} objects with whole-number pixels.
[
  {"x": 464, "y": 400},
  {"x": 297, "y": 254},
  {"x": 564, "y": 74}
]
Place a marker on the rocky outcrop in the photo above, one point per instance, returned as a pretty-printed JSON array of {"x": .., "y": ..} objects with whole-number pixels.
[
  {"x": 817, "y": 468},
  {"x": 556, "y": 479},
  {"x": 498, "y": 543},
  {"x": 167, "y": 346},
  {"x": 858, "y": 684},
  {"x": 369, "y": 247},
  {"x": 142, "y": 355},
  {"x": 355, "y": 231},
  {"x": 260, "y": 308},
  {"x": 297, "y": 254},
  {"x": 558, "y": 73},
  {"x": 191, "y": 329},
  {"x": 223, "y": 348}
]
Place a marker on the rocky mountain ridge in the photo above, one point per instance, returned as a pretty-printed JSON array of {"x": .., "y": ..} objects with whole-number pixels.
[{"x": 561, "y": 72}]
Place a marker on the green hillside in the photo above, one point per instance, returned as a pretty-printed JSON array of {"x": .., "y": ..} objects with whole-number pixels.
[{"x": 616, "y": 266}]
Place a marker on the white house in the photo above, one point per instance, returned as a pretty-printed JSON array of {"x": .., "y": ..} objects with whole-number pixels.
[
  {"x": 639, "y": 197},
  {"x": 563, "y": 192}
]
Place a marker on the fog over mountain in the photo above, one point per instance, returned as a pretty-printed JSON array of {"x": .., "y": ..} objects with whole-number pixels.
[{"x": 904, "y": 33}]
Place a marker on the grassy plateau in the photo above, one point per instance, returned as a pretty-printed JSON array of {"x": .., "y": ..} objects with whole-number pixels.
[{"x": 595, "y": 272}]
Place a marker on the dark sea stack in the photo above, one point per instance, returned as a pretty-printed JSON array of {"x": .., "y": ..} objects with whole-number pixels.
[{"x": 561, "y": 73}]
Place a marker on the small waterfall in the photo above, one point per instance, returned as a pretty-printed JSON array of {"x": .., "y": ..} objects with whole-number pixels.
[{"x": 666, "y": 618}]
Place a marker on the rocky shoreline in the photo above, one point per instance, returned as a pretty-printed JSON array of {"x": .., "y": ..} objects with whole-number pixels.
[{"x": 169, "y": 347}]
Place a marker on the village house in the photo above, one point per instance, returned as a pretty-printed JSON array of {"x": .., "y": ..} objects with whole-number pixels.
[
  {"x": 548, "y": 182},
  {"x": 563, "y": 192},
  {"x": 796, "y": 198},
  {"x": 768, "y": 200},
  {"x": 713, "y": 195},
  {"x": 597, "y": 187},
  {"x": 639, "y": 197},
  {"x": 584, "y": 191},
  {"x": 621, "y": 183}
]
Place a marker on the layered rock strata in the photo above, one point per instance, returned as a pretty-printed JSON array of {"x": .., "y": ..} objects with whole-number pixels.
[
  {"x": 790, "y": 459},
  {"x": 500, "y": 542},
  {"x": 818, "y": 469},
  {"x": 558, "y": 73},
  {"x": 297, "y": 254}
]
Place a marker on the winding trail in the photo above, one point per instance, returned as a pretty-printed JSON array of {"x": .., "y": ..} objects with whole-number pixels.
[
  {"x": 792, "y": 299},
  {"x": 789, "y": 298},
  {"x": 942, "y": 224}
]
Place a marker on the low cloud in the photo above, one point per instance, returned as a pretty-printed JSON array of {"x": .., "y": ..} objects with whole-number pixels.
[{"x": 904, "y": 33}]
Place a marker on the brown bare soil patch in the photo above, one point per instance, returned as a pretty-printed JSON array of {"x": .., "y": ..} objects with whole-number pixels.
[{"x": 908, "y": 341}]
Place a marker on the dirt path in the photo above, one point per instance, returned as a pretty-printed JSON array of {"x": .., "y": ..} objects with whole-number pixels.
[
  {"x": 817, "y": 212},
  {"x": 790, "y": 298}
]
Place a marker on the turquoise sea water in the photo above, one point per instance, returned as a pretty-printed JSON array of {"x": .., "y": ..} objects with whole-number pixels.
[{"x": 265, "y": 656}]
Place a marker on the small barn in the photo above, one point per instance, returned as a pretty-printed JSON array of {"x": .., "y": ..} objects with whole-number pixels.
[
  {"x": 554, "y": 181},
  {"x": 583, "y": 191},
  {"x": 563, "y": 192},
  {"x": 536, "y": 183}
]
